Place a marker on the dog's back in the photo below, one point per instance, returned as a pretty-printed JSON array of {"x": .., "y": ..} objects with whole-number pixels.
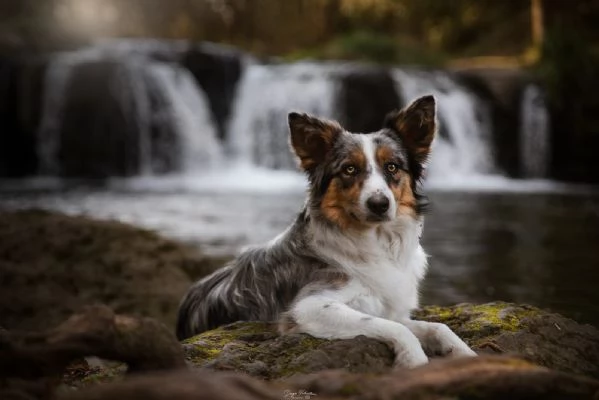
[{"x": 257, "y": 286}]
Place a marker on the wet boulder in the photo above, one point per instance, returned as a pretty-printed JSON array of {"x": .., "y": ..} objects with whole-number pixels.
[
  {"x": 524, "y": 352},
  {"x": 541, "y": 337}
]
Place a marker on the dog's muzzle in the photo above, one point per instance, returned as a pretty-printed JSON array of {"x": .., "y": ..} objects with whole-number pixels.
[{"x": 378, "y": 205}]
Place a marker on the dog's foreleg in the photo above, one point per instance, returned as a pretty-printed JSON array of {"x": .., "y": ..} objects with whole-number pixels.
[
  {"x": 438, "y": 339},
  {"x": 323, "y": 317}
]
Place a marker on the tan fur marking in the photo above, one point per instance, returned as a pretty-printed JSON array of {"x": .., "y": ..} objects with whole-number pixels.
[
  {"x": 404, "y": 196},
  {"x": 383, "y": 155},
  {"x": 357, "y": 158},
  {"x": 338, "y": 201}
]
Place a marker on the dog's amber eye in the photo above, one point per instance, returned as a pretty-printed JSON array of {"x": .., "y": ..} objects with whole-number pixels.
[
  {"x": 350, "y": 170},
  {"x": 391, "y": 168}
]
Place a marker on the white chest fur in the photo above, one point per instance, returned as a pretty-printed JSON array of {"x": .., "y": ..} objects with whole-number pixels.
[{"x": 385, "y": 266}]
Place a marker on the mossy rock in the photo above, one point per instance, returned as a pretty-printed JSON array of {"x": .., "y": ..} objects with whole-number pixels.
[
  {"x": 256, "y": 349},
  {"x": 544, "y": 338}
]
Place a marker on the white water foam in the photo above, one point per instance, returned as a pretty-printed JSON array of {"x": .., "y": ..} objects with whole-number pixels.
[
  {"x": 238, "y": 178},
  {"x": 463, "y": 145},
  {"x": 258, "y": 133}
]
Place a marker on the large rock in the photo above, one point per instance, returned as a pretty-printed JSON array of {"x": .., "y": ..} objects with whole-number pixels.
[
  {"x": 21, "y": 98},
  {"x": 543, "y": 338},
  {"x": 300, "y": 366},
  {"x": 51, "y": 265},
  {"x": 30, "y": 362},
  {"x": 217, "y": 69}
]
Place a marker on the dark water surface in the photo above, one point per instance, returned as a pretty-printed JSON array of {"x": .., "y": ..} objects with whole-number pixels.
[
  {"x": 540, "y": 249},
  {"x": 528, "y": 248}
]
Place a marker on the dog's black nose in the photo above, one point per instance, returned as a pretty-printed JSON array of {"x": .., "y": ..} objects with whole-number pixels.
[{"x": 378, "y": 204}]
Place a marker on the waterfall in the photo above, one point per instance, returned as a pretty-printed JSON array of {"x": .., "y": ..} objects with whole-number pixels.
[
  {"x": 188, "y": 112},
  {"x": 157, "y": 108},
  {"x": 258, "y": 131},
  {"x": 144, "y": 107},
  {"x": 463, "y": 144},
  {"x": 534, "y": 133}
]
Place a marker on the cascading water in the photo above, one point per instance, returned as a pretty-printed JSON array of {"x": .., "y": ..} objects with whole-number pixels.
[
  {"x": 463, "y": 145},
  {"x": 258, "y": 132},
  {"x": 163, "y": 110},
  {"x": 534, "y": 133},
  {"x": 188, "y": 113}
]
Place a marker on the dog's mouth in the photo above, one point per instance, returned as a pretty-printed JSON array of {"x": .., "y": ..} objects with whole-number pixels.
[
  {"x": 377, "y": 218},
  {"x": 370, "y": 218}
]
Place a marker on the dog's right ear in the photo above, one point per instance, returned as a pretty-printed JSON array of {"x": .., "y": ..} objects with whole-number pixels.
[{"x": 312, "y": 138}]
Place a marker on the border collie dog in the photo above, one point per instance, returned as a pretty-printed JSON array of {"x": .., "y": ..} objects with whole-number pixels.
[{"x": 351, "y": 262}]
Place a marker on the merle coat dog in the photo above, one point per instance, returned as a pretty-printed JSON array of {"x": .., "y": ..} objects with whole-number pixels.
[{"x": 351, "y": 262}]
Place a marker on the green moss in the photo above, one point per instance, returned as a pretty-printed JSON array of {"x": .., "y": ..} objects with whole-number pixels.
[
  {"x": 208, "y": 345},
  {"x": 239, "y": 339},
  {"x": 290, "y": 361},
  {"x": 478, "y": 323}
]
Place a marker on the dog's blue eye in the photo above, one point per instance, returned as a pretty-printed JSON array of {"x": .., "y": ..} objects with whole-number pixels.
[
  {"x": 391, "y": 167},
  {"x": 350, "y": 170}
]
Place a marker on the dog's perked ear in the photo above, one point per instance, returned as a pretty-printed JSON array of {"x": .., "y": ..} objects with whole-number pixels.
[
  {"x": 415, "y": 126},
  {"x": 312, "y": 138}
]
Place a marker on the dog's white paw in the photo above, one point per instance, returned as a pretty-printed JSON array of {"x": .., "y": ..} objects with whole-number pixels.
[
  {"x": 460, "y": 350},
  {"x": 447, "y": 344},
  {"x": 410, "y": 358}
]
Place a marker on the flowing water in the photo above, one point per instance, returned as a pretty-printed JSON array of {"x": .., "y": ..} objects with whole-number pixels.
[{"x": 489, "y": 237}]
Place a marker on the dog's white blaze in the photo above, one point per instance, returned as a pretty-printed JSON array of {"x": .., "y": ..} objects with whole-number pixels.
[{"x": 375, "y": 182}]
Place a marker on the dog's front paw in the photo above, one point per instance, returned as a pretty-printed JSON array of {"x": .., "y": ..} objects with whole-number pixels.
[
  {"x": 460, "y": 349},
  {"x": 447, "y": 344},
  {"x": 410, "y": 358}
]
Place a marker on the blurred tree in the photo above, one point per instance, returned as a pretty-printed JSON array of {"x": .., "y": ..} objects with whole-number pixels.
[{"x": 536, "y": 13}]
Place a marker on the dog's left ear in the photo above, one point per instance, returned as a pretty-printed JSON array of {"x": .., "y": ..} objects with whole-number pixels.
[
  {"x": 312, "y": 138},
  {"x": 415, "y": 126}
]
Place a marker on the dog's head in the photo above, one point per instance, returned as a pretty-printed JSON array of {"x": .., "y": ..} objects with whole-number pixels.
[{"x": 359, "y": 180}]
